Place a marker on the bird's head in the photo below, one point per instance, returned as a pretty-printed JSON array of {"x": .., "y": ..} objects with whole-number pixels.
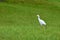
[{"x": 38, "y": 16}]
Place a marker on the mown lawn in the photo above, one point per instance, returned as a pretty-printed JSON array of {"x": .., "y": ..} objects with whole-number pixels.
[{"x": 19, "y": 22}]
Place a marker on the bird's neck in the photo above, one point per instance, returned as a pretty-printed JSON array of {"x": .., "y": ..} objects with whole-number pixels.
[{"x": 38, "y": 17}]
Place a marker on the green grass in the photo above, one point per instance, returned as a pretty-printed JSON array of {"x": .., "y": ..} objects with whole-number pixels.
[{"x": 19, "y": 22}]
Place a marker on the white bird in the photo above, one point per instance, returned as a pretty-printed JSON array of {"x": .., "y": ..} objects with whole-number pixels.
[{"x": 41, "y": 21}]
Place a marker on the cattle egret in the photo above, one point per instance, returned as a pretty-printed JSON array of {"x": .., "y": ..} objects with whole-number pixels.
[{"x": 41, "y": 21}]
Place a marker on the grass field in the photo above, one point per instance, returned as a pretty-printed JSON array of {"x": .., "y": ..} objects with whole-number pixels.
[{"x": 19, "y": 22}]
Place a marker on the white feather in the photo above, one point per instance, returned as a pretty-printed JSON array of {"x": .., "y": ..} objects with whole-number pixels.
[{"x": 42, "y": 22}]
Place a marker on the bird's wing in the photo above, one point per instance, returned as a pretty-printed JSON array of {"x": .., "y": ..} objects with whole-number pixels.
[{"x": 42, "y": 21}]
